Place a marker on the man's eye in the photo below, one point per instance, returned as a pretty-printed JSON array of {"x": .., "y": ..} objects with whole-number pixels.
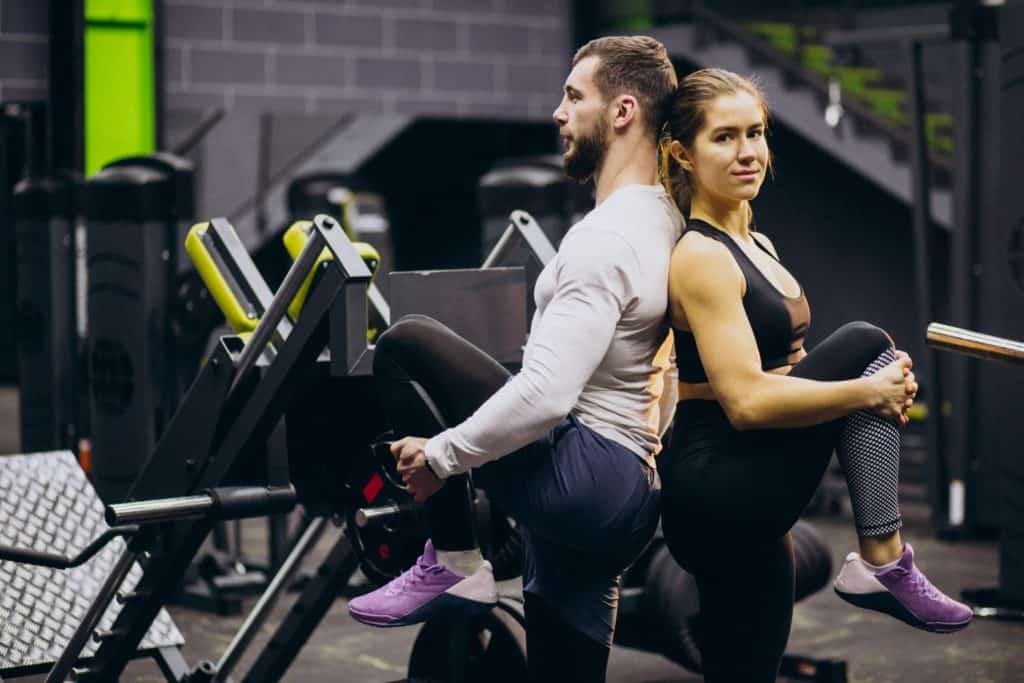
[{"x": 724, "y": 137}]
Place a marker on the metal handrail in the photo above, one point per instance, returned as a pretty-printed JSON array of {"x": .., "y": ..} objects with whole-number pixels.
[{"x": 977, "y": 344}]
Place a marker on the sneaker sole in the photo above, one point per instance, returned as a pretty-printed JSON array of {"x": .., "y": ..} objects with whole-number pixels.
[
  {"x": 887, "y": 604},
  {"x": 446, "y": 604}
]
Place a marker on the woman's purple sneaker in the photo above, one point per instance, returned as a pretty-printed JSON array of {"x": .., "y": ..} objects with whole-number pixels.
[
  {"x": 901, "y": 591},
  {"x": 425, "y": 590}
]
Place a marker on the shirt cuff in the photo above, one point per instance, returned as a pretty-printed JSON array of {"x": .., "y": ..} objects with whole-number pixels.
[{"x": 441, "y": 456}]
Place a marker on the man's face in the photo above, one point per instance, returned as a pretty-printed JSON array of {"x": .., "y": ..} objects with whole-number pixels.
[{"x": 581, "y": 122}]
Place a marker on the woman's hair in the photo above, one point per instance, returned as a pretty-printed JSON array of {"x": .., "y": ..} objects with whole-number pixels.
[{"x": 686, "y": 117}]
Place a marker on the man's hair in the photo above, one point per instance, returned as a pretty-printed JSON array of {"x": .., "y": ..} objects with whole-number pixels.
[{"x": 634, "y": 65}]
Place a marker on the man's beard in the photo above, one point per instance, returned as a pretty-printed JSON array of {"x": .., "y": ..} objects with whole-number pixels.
[{"x": 587, "y": 155}]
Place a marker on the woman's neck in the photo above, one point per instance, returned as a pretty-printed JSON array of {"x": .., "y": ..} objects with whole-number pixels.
[{"x": 733, "y": 218}]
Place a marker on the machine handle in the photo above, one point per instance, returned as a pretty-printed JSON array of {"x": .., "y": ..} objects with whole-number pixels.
[
  {"x": 44, "y": 559},
  {"x": 382, "y": 514},
  {"x": 229, "y": 502}
]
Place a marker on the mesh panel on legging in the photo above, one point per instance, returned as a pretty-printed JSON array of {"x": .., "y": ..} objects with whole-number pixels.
[{"x": 869, "y": 451}]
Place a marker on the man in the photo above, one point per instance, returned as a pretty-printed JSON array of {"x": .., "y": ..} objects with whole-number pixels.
[{"x": 567, "y": 445}]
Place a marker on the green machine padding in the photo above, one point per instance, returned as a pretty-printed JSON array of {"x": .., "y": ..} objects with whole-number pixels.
[
  {"x": 295, "y": 238},
  {"x": 213, "y": 277},
  {"x": 120, "y": 81}
]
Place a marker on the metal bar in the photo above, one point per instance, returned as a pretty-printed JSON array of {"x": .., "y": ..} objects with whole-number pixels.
[
  {"x": 379, "y": 303},
  {"x": 68, "y": 658},
  {"x": 384, "y": 513},
  {"x": 523, "y": 224},
  {"x": 501, "y": 247},
  {"x": 261, "y": 610},
  {"x": 210, "y": 119},
  {"x": 44, "y": 559},
  {"x": 959, "y": 372},
  {"x": 888, "y": 34},
  {"x": 278, "y": 306},
  {"x": 159, "y": 510},
  {"x": 976, "y": 344},
  {"x": 928, "y": 366}
]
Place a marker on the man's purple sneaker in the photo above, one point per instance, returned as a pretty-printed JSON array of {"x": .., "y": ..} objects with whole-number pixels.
[
  {"x": 424, "y": 590},
  {"x": 901, "y": 591}
]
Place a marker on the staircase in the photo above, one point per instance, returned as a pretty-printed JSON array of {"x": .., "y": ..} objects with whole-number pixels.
[{"x": 870, "y": 137}]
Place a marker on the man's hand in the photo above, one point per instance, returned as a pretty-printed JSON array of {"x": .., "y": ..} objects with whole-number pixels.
[{"x": 419, "y": 480}]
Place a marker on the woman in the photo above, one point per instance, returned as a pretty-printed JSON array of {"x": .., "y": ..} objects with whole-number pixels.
[{"x": 758, "y": 417}]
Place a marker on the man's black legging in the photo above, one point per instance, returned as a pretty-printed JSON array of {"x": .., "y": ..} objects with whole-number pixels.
[
  {"x": 729, "y": 499},
  {"x": 458, "y": 377}
]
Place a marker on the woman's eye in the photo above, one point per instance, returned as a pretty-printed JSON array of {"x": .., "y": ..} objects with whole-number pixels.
[
  {"x": 755, "y": 134},
  {"x": 724, "y": 137}
]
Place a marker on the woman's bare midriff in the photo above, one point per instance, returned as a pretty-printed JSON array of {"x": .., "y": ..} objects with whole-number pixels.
[{"x": 701, "y": 391}]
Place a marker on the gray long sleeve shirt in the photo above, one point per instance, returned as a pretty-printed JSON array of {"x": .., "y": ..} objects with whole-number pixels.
[{"x": 599, "y": 342}]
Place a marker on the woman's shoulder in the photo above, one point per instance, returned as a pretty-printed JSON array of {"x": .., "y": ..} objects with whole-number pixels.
[
  {"x": 697, "y": 245},
  {"x": 766, "y": 243}
]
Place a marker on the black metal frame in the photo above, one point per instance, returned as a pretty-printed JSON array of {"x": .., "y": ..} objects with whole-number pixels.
[{"x": 66, "y": 86}]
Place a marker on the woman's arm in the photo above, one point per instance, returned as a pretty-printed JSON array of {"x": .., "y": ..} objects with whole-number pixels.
[{"x": 706, "y": 280}]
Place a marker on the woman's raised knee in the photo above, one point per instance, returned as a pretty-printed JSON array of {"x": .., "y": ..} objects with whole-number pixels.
[{"x": 864, "y": 335}]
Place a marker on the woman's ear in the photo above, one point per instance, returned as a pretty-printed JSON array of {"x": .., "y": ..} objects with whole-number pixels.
[{"x": 679, "y": 153}]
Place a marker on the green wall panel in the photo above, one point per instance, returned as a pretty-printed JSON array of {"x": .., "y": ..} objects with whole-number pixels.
[{"x": 120, "y": 81}]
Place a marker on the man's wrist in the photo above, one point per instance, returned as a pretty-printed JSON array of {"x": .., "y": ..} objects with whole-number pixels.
[
  {"x": 439, "y": 456},
  {"x": 430, "y": 466}
]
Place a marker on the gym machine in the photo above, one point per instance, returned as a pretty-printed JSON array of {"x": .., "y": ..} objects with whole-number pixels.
[
  {"x": 382, "y": 535},
  {"x": 227, "y": 414}
]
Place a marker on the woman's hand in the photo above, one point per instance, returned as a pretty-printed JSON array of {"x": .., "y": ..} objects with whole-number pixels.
[{"x": 892, "y": 389}]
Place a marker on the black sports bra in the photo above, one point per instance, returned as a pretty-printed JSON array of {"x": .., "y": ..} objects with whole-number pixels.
[{"x": 779, "y": 322}]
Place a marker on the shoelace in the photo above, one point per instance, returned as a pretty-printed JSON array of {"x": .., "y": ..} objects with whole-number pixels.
[
  {"x": 410, "y": 577},
  {"x": 920, "y": 585}
]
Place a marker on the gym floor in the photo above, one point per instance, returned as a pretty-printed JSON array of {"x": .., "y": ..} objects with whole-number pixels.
[{"x": 877, "y": 649}]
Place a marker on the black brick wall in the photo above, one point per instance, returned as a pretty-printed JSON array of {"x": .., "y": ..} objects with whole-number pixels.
[
  {"x": 461, "y": 57},
  {"x": 24, "y": 29}
]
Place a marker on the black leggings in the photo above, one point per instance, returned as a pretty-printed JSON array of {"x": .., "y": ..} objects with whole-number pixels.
[
  {"x": 728, "y": 501},
  {"x": 458, "y": 378}
]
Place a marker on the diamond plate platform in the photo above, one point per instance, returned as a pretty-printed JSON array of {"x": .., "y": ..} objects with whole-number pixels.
[{"x": 47, "y": 504}]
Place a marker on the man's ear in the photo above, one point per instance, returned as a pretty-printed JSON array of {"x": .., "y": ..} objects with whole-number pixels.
[
  {"x": 625, "y": 109},
  {"x": 679, "y": 153}
]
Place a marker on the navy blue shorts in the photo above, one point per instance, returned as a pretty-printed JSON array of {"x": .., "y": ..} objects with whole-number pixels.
[{"x": 588, "y": 507}]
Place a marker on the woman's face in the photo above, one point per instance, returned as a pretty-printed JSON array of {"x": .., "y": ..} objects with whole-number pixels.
[{"x": 729, "y": 156}]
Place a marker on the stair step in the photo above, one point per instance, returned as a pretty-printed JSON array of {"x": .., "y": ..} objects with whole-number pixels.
[
  {"x": 854, "y": 79},
  {"x": 779, "y": 34},
  {"x": 818, "y": 58},
  {"x": 938, "y": 132}
]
